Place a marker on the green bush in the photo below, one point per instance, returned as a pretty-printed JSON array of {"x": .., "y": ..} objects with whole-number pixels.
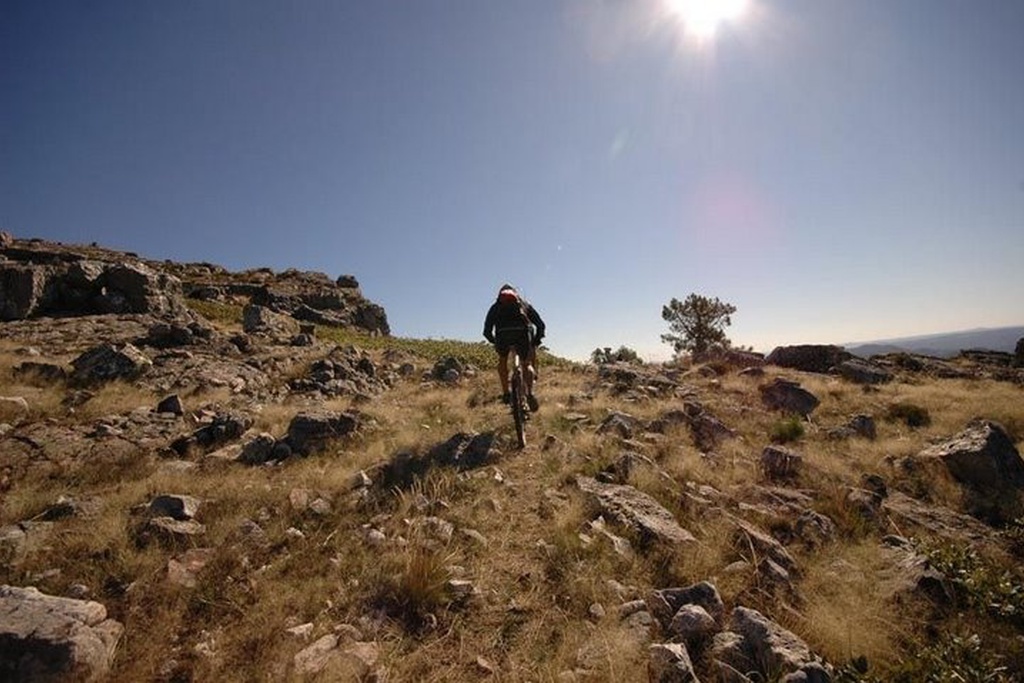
[{"x": 786, "y": 430}]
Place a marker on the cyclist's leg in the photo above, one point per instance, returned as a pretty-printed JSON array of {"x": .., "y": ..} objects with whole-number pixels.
[{"x": 502, "y": 368}]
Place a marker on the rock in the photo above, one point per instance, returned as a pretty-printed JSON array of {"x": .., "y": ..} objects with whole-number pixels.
[
  {"x": 258, "y": 450},
  {"x": 778, "y": 462},
  {"x": 109, "y": 362},
  {"x": 911, "y": 573},
  {"x": 635, "y": 510},
  {"x": 1018, "y": 354},
  {"x": 183, "y": 569},
  {"x": 260, "y": 320},
  {"x": 983, "y": 459},
  {"x": 818, "y": 358},
  {"x": 313, "y": 659},
  {"x": 669, "y": 663},
  {"x": 170, "y": 532},
  {"x": 21, "y": 290},
  {"x": 749, "y": 538},
  {"x": 789, "y": 397},
  {"x": 621, "y": 424},
  {"x": 310, "y": 432},
  {"x": 982, "y": 456},
  {"x": 692, "y": 624},
  {"x": 863, "y": 372},
  {"x": 135, "y": 288},
  {"x": 171, "y": 404},
  {"x": 177, "y": 507},
  {"x": 666, "y": 603},
  {"x": 775, "y": 650},
  {"x": 47, "y": 638},
  {"x": 859, "y": 425},
  {"x": 224, "y": 427}
]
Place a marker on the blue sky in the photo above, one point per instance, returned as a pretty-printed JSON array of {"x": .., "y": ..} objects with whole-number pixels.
[{"x": 837, "y": 170}]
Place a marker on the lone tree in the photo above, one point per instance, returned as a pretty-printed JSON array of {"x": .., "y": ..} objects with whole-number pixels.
[{"x": 697, "y": 324}]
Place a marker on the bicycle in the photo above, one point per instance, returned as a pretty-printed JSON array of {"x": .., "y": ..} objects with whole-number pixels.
[{"x": 517, "y": 398}]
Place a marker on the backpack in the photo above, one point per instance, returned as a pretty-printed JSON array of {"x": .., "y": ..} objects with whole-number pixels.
[{"x": 511, "y": 310}]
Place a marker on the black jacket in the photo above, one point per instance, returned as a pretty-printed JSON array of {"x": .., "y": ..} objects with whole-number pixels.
[{"x": 504, "y": 317}]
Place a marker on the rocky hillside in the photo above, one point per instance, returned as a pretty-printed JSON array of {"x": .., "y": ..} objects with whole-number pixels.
[{"x": 234, "y": 477}]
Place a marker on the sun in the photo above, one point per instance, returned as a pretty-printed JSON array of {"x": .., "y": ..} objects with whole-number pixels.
[{"x": 703, "y": 17}]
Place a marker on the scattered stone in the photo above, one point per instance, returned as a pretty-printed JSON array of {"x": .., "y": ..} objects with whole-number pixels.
[
  {"x": 183, "y": 569},
  {"x": 820, "y": 358},
  {"x": 177, "y": 507},
  {"x": 692, "y": 624},
  {"x": 983, "y": 459},
  {"x": 635, "y": 510},
  {"x": 171, "y": 404},
  {"x": 109, "y": 362},
  {"x": 310, "y": 432},
  {"x": 259, "y": 450},
  {"x": 788, "y": 396},
  {"x": 670, "y": 663},
  {"x": 48, "y": 638},
  {"x": 863, "y": 372},
  {"x": 778, "y": 462}
]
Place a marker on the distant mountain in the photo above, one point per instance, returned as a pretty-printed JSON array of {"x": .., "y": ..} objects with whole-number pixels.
[{"x": 944, "y": 345}]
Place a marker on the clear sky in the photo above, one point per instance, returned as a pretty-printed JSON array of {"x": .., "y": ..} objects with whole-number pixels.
[{"x": 839, "y": 170}]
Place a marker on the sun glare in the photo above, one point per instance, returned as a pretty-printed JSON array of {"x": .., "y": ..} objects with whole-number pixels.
[{"x": 703, "y": 17}]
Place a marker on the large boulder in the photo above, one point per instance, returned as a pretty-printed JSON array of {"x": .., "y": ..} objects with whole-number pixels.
[
  {"x": 755, "y": 643},
  {"x": 310, "y": 432},
  {"x": 983, "y": 459},
  {"x": 635, "y": 510},
  {"x": 809, "y": 357},
  {"x": 862, "y": 371},
  {"x": 109, "y": 362},
  {"x": 21, "y": 290},
  {"x": 137, "y": 288},
  {"x": 1018, "y": 353},
  {"x": 789, "y": 397},
  {"x": 258, "y": 319},
  {"x": 48, "y": 638}
]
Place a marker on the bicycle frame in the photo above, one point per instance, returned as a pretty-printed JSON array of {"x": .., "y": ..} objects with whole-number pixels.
[{"x": 517, "y": 392}]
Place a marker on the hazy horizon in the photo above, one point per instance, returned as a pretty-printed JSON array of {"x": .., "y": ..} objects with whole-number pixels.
[{"x": 835, "y": 170}]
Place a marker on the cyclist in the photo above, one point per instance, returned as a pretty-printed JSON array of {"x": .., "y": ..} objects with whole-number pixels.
[{"x": 512, "y": 321}]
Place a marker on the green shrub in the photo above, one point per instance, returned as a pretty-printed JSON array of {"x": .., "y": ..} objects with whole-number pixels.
[{"x": 786, "y": 430}]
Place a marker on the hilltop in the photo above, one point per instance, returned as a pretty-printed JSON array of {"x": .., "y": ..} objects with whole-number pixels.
[
  {"x": 944, "y": 345},
  {"x": 226, "y": 476}
]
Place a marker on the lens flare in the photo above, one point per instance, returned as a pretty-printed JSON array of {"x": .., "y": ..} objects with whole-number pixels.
[{"x": 702, "y": 18}]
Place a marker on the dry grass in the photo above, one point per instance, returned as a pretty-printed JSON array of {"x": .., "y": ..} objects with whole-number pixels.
[{"x": 541, "y": 566}]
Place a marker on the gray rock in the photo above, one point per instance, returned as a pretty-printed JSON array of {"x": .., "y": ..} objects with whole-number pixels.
[
  {"x": 774, "y": 649},
  {"x": 863, "y": 372},
  {"x": 171, "y": 404},
  {"x": 667, "y": 602},
  {"x": 818, "y": 358},
  {"x": 748, "y": 537},
  {"x": 635, "y": 510},
  {"x": 109, "y": 362},
  {"x": 258, "y": 450},
  {"x": 789, "y": 397},
  {"x": 670, "y": 663},
  {"x": 261, "y": 320},
  {"x": 310, "y": 432},
  {"x": 778, "y": 462},
  {"x": 692, "y": 624},
  {"x": 21, "y": 290},
  {"x": 177, "y": 507},
  {"x": 982, "y": 456},
  {"x": 983, "y": 459},
  {"x": 47, "y": 638}
]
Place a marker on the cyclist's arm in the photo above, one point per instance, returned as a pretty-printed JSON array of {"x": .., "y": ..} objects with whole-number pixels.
[
  {"x": 535, "y": 318},
  {"x": 489, "y": 323}
]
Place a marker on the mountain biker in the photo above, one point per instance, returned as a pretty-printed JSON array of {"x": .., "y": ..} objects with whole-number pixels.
[{"x": 512, "y": 321}]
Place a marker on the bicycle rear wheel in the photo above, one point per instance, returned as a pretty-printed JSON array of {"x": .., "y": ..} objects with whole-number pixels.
[{"x": 518, "y": 401}]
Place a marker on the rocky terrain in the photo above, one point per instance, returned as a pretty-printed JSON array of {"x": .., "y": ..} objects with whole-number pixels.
[{"x": 209, "y": 475}]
